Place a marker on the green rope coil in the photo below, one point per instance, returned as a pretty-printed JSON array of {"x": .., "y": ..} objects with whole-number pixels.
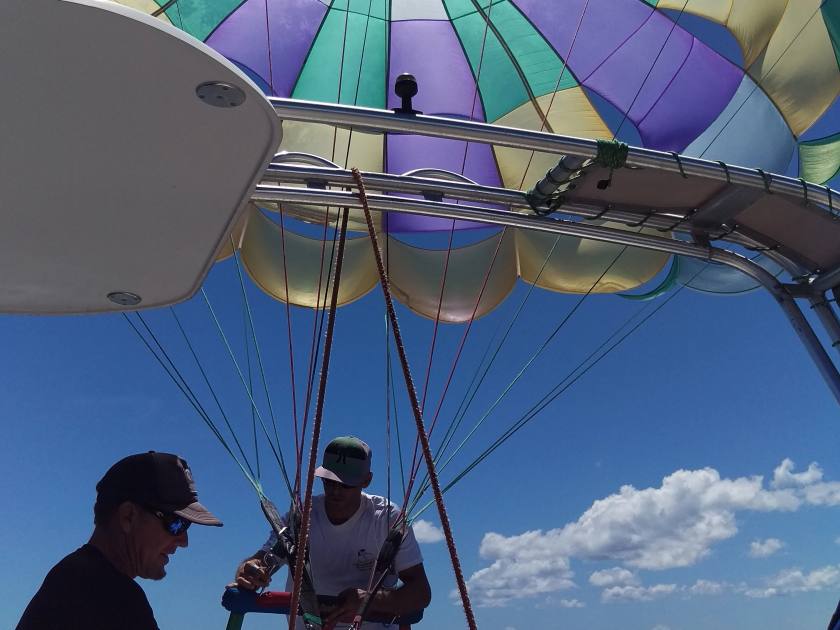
[{"x": 611, "y": 154}]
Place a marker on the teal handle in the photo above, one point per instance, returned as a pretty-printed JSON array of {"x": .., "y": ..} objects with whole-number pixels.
[{"x": 235, "y": 621}]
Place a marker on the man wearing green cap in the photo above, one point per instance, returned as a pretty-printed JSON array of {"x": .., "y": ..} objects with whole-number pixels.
[{"x": 348, "y": 528}]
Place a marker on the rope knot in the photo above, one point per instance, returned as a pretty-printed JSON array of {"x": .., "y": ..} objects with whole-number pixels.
[{"x": 611, "y": 154}]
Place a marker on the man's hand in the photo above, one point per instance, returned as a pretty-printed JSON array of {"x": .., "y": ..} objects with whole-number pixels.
[
  {"x": 252, "y": 574},
  {"x": 349, "y": 601}
]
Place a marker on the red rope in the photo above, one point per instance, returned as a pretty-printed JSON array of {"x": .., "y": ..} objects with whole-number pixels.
[
  {"x": 415, "y": 404},
  {"x": 437, "y": 315},
  {"x": 303, "y": 534}
]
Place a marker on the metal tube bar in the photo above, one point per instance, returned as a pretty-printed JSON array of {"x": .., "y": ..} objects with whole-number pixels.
[
  {"x": 466, "y": 191},
  {"x": 384, "y": 203},
  {"x": 515, "y": 199},
  {"x": 827, "y": 280},
  {"x": 828, "y": 317},
  {"x": 380, "y": 120}
]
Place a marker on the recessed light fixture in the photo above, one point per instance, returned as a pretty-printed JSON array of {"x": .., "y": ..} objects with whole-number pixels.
[
  {"x": 219, "y": 94},
  {"x": 124, "y": 298}
]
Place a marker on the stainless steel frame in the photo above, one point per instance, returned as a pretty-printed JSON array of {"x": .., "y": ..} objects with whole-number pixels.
[{"x": 275, "y": 189}]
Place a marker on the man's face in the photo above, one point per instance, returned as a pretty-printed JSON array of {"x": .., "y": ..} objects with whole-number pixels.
[
  {"x": 341, "y": 501},
  {"x": 152, "y": 545}
]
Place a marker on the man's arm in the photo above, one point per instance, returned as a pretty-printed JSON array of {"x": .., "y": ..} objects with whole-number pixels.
[
  {"x": 414, "y": 594},
  {"x": 252, "y": 573}
]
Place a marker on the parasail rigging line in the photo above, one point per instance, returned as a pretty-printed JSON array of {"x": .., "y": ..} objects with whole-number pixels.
[
  {"x": 757, "y": 85},
  {"x": 288, "y": 309},
  {"x": 415, "y": 406},
  {"x": 306, "y": 513},
  {"x": 563, "y": 69},
  {"x": 165, "y": 7},
  {"x": 514, "y": 62},
  {"x": 247, "y": 346},
  {"x": 206, "y": 382},
  {"x": 250, "y": 319},
  {"x": 456, "y": 358},
  {"x": 315, "y": 348},
  {"x": 476, "y": 381},
  {"x": 524, "y": 368},
  {"x": 275, "y": 449},
  {"x": 638, "y": 92},
  {"x": 358, "y": 78},
  {"x": 651, "y": 69},
  {"x": 530, "y": 159},
  {"x": 391, "y": 400},
  {"x": 268, "y": 47},
  {"x": 414, "y": 461},
  {"x": 388, "y": 398},
  {"x": 477, "y": 79},
  {"x": 564, "y": 384},
  {"x": 181, "y": 383},
  {"x": 437, "y": 315}
]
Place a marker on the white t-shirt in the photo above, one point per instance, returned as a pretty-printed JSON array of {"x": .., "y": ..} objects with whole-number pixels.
[{"x": 343, "y": 556}]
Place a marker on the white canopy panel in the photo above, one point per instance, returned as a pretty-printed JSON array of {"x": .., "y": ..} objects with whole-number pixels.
[{"x": 115, "y": 176}]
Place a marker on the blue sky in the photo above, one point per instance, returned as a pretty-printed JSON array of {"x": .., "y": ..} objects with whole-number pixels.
[{"x": 573, "y": 523}]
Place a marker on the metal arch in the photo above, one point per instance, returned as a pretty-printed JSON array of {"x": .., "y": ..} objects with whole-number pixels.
[{"x": 386, "y": 203}]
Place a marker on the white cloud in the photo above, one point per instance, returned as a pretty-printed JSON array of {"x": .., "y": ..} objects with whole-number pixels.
[
  {"x": 784, "y": 477},
  {"x": 795, "y": 581},
  {"x": 676, "y": 524},
  {"x": 706, "y": 587},
  {"x": 612, "y": 577},
  {"x": 661, "y": 627},
  {"x": 571, "y": 603},
  {"x": 765, "y": 548},
  {"x": 522, "y": 566},
  {"x": 637, "y": 593},
  {"x": 427, "y": 532},
  {"x": 827, "y": 494}
]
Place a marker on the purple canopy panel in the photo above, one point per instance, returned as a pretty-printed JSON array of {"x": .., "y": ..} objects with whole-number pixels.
[
  {"x": 672, "y": 95},
  {"x": 431, "y": 52},
  {"x": 242, "y": 38},
  {"x": 696, "y": 96},
  {"x": 673, "y": 85},
  {"x": 405, "y": 153},
  {"x": 587, "y": 39}
]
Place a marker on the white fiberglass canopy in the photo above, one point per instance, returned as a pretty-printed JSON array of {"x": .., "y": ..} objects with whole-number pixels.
[{"x": 115, "y": 176}]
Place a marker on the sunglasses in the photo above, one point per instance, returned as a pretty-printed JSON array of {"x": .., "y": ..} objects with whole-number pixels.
[
  {"x": 175, "y": 525},
  {"x": 344, "y": 486}
]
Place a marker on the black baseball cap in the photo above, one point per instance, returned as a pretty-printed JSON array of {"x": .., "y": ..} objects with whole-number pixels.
[
  {"x": 159, "y": 481},
  {"x": 346, "y": 460}
]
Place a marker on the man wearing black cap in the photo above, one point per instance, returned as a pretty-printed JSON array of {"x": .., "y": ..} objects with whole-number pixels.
[
  {"x": 144, "y": 505},
  {"x": 348, "y": 527}
]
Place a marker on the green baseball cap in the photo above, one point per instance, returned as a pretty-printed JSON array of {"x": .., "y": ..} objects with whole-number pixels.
[{"x": 346, "y": 460}]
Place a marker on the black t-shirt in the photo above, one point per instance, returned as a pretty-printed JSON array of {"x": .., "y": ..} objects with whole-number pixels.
[{"x": 86, "y": 592}]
